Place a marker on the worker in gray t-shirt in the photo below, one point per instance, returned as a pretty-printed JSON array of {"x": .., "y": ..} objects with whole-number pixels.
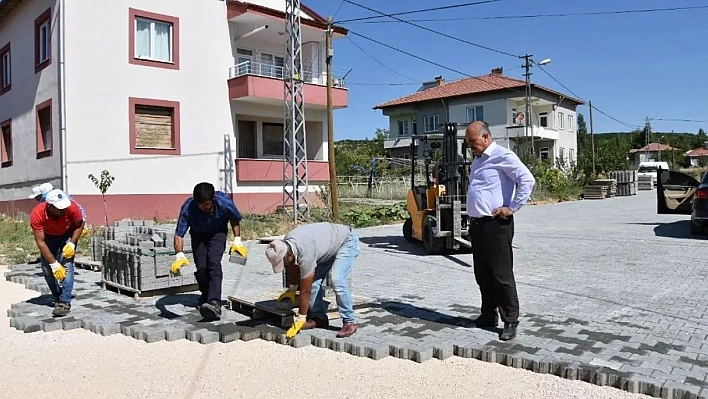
[{"x": 309, "y": 252}]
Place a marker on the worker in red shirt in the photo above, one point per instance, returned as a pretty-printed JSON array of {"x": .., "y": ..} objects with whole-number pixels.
[{"x": 57, "y": 224}]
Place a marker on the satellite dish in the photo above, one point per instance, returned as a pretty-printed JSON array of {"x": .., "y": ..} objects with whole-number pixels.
[{"x": 520, "y": 116}]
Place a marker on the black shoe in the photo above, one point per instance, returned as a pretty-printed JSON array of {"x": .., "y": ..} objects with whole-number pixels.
[
  {"x": 485, "y": 321},
  {"x": 211, "y": 310},
  {"x": 509, "y": 332},
  {"x": 61, "y": 309}
]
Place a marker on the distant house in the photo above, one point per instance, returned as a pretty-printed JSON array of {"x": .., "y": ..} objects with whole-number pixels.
[
  {"x": 698, "y": 156},
  {"x": 494, "y": 98},
  {"x": 648, "y": 153}
]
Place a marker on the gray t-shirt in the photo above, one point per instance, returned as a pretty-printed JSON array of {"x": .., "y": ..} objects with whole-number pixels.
[{"x": 316, "y": 243}]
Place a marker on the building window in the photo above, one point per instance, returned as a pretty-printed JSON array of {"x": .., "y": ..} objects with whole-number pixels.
[
  {"x": 560, "y": 121},
  {"x": 5, "y": 69},
  {"x": 6, "y": 143},
  {"x": 475, "y": 114},
  {"x": 570, "y": 122},
  {"x": 273, "y": 139},
  {"x": 431, "y": 123},
  {"x": 244, "y": 61},
  {"x": 43, "y": 40},
  {"x": 154, "y": 39},
  {"x": 404, "y": 128},
  {"x": 44, "y": 129},
  {"x": 571, "y": 155},
  {"x": 154, "y": 127},
  {"x": 272, "y": 65},
  {"x": 561, "y": 155},
  {"x": 543, "y": 119}
]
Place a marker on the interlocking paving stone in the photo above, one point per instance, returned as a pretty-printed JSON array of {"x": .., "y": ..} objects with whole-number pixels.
[{"x": 611, "y": 294}]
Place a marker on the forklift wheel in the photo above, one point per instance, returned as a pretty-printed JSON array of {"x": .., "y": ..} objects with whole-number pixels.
[
  {"x": 408, "y": 230},
  {"x": 432, "y": 245}
]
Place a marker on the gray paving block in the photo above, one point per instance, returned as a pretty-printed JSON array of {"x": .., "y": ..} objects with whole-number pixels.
[
  {"x": 228, "y": 332},
  {"x": 335, "y": 344},
  {"x": 398, "y": 351},
  {"x": 320, "y": 342},
  {"x": 207, "y": 337},
  {"x": 107, "y": 329},
  {"x": 420, "y": 354},
  {"x": 300, "y": 341},
  {"x": 444, "y": 351},
  {"x": 377, "y": 352},
  {"x": 70, "y": 323},
  {"x": 249, "y": 333},
  {"x": 174, "y": 334},
  {"x": 49, "y": 325}
]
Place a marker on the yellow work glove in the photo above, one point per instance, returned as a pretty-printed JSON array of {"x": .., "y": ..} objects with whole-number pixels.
[
  {"x": 58, "y": 271},
  {"x": 296, "y": 327},
  {"x": 84, "y": 233},
  {"x": 180, "y": 260},
  {"x": 239, "y": 248},
  {"x": 68, "y": 250},
  {"x": 289, "y": 294}
]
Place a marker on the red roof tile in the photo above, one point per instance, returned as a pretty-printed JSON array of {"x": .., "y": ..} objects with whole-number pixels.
[
  {"x": 468, "y": 86},
  {"x": 698, "y": 152},
  {"x": 651, "y": 147}
]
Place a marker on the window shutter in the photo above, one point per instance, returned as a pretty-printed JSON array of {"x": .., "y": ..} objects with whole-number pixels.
[{"x": 153, "y": 127}]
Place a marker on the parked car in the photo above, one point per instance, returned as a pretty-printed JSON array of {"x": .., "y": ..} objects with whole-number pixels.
[{"x": 679, "y": 193}]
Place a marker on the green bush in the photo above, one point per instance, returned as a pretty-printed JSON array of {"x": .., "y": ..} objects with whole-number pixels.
[{"x": 553, "y": 184}]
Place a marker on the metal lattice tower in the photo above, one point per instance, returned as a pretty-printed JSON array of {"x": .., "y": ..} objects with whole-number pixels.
[{"x": 295, "y": 176}]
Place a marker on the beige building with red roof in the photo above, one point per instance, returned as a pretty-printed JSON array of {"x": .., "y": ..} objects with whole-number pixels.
[{"x": 494, "y": 98}]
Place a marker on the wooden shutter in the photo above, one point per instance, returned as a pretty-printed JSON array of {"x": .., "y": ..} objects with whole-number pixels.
[{"x": 154, "y": 127}]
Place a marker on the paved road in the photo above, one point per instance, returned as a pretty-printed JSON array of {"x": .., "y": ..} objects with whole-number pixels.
[{"x": 610, "y": 292}]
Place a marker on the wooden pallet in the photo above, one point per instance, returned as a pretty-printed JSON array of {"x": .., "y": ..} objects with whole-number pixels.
[
  {"x": 137, "y": 294},
  {"x": 86, "y": 263}
]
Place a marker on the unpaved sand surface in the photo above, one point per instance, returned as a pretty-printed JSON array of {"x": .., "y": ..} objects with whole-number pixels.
[{"x": 80, "y": 364}]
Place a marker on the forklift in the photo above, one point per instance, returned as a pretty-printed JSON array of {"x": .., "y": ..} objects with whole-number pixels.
[{"x": 438, "y": 210}]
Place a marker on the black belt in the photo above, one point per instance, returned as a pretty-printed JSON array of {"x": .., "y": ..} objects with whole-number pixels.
[{"x": 481, "y": 219}]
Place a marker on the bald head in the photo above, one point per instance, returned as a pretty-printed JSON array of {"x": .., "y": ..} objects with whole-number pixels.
[{"x": 478, "y": 137}]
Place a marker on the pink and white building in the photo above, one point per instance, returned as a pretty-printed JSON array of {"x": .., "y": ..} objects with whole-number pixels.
[{"x": 163, "y": 94}]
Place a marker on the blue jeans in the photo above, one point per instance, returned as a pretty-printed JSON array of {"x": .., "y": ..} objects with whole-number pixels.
[
  {"x": 59, "y": 290},
  {"x": 341, "y": 267}
]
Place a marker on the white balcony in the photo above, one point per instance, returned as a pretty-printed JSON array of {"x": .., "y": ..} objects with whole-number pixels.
[{"x": 277, "y": 70}]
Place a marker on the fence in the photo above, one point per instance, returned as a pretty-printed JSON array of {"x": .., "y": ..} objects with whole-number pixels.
[{"x": 386, "y": 188}]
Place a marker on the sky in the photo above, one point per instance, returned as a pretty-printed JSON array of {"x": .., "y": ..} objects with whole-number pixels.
[{"x": 631, "y": 66}]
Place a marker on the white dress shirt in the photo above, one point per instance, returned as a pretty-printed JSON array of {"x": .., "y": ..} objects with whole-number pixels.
[{"x": 493, "y": 177}]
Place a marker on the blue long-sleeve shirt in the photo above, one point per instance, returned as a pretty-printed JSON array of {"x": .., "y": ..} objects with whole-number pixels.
[
  {"x": 194, "y": 219},
  {"x": 498, "y": 178}
]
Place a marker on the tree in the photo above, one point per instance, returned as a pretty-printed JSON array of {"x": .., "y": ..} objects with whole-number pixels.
[
  {"x": 584, "y": 163},
  {"x": 103, "y": 185}
]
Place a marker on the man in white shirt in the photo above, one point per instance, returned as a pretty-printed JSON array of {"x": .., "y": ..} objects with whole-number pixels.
[{"x": 500, "y": 184}]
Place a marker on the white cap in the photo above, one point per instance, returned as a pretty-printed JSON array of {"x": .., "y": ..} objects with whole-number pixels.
[
  {"x": 35, "y": 192},
  {"x": 44, "y": 188},
  {"x": 58, "y": 199}
]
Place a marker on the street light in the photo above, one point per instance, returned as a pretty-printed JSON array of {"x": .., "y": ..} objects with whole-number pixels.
[
  {"x": 545, "y": 62},
  {"x": 527, "y": 129},
  {"x": 659, "y": 146}
]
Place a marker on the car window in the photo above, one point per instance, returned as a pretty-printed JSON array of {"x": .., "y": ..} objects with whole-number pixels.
[
  {"x": 648, "y": 169},
  {"x": 705, "y": 178},
  {"x": 677, "y": 179}
]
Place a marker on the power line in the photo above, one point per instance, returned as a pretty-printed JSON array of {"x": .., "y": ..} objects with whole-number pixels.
[
  {"x": 434, "y": 31},
  {"x": 379, "y": 62},
  {"x": 569, "y": 14},
  {"x": 629, "y": 125},
  {"x": 420, "y": 11},
  {"x": 679, "y": 120},
  {"x": 433, "y": 62},
  {"x": 382, "y": 84},
  {"x": 338, "y": 8}
]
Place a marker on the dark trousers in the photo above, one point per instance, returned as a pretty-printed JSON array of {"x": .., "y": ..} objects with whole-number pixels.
[
  {"x": 493, "y": 266},
  {"x": 208, "y": 250}
]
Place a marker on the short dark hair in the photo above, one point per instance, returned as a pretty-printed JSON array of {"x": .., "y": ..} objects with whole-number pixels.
[{"x": 203, "y": 192}]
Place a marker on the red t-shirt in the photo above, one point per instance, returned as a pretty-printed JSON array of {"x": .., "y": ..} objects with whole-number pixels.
[{"x": 40, "y": 221}]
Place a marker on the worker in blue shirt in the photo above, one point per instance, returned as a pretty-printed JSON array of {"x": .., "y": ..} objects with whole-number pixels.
[{"x": 206, "y": 215}]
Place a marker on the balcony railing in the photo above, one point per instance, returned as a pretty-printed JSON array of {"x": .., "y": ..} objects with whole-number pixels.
[{"x": 271, "y": 70}]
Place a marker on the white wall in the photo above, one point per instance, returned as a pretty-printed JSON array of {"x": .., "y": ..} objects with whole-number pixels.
[
  {"x": 100, "y": 80},
  {"x": 28, "y": 90}
]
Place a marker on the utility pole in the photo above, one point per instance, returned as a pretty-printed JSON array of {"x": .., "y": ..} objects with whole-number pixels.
[
  {"x": 647, "y": 137},
  {"x": 592, "y": 140},
  {"x": 295, "y": 176},
  {"x": 527, "y": 120},
  {"x": 334, "y": 192}
]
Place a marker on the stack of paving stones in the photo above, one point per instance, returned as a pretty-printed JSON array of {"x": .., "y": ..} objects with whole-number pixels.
[
  {"x": 587, "y": 331},
  {"x": 137, "y": 255},
  {"x": 626, "y": 181}
]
